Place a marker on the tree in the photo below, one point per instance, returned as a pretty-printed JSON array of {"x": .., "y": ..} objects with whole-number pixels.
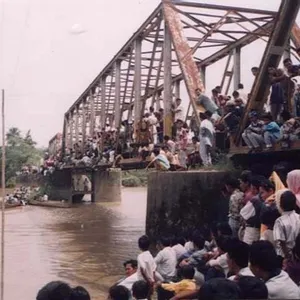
[{"x": 20, "y": 152}]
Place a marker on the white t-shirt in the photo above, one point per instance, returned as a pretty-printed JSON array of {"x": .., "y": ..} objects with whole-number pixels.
[
  {"x": 129, "y": 281},
  {"x": 243, "y": 272},
  {"x": 172, "y": 146},
  {"x": 147, "y": 263},
  {"x": 282, "y": 287},
  {"x": 179, "y": 115},
  {"x": 166, "y": 262},
  {"x": 179, "y": 250},
  {"x": 220, "y": 261},
  {"x": 189, "y": 246}
]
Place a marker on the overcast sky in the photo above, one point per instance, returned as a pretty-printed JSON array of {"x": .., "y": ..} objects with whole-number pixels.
[{"x": 50, "y": 50}]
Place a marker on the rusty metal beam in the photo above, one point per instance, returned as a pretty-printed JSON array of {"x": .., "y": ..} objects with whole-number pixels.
[{"x": 185, "y": 57}]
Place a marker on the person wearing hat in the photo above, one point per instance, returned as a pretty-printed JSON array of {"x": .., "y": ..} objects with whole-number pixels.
[{"x": 253, "y": 134}]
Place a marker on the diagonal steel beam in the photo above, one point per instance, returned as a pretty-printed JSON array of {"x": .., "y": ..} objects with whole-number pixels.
[{"x": 185, "y": 57}]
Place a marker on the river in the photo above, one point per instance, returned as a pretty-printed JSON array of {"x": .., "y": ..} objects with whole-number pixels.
[{"x": 85, "y": 245}]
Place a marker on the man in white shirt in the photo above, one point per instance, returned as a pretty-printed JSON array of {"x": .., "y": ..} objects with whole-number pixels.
[
  {"x": 152, "y": 122},
  {"x": 265, "y": 265},
  {"x": 237, "y": 259},
  {"x": 242, "y": 93},
  {"x": 179, "y": 111},
  {"x": 178, "y": 247},
  {"x": 130, "y": 267},
  {"x": 146, "y": 264},
  {"x": 166, "y": 259}
]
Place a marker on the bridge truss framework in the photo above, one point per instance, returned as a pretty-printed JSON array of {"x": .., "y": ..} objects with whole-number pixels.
[{"x": 177, "y": 39}]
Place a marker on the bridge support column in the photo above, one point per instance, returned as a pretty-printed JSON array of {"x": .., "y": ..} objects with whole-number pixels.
[
  {"x": 237, "y": 68},
  {"x": 106, "y": 185}
]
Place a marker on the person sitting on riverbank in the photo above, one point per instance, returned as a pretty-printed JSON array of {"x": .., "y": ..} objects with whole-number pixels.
[
  {"x": 80, "y": 293},
  {"x": 146, "y": 264},
  {"x": 57, "y": 290},
  {"x": 141, "y": 290},
  {"x": 165, "y": 260},
  {"x": 118, "y": 292},
  {"x": 160, "y": 161},
  {"x": 130, "y": 267}
]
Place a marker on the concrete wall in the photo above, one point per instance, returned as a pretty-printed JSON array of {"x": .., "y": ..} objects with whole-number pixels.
[
  {"x": 107, "y": 185},
  {"x": 178, "y": 202}
]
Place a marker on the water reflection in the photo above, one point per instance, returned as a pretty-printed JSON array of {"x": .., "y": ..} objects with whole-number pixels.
[{"x": 84, "y": 245}]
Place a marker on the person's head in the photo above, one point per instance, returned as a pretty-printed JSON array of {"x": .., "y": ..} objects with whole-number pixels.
[
  {"x": 198, "y": 241},
  {"x": 293, "y": 181},
  {"x": 202, "y": 116},
  {"x": 198, "y": 92},
  {"x": 240, "y": 86},
  {"x": 263, "y": 259},
  {"x": 223, "y": 243},
  {"x": 288, "y": 201},
  {"x": 256, "y": 182},
  {"x": 287, "y": 63},
  {"x": 208, "y": 114},
  {"x": 140, "y": 289},
  {"x": 237, "y": 255},
  {"x": 195, "y": 140},
  {"x": 254, "y": 71},
  {"x": 151, "y": 109},
  {"x": 272, "y": 71},
  {"x": 219, "y": 89},
  {"x": 245, "y": 180},
  {"x": 266, "y": 189},
  {"x": 80, "y": 293},
  {"x": 164, "y": 242},
  {"x": 252, "y": 287},
  {"x": 215, "y": 93},
  {"x": 144, "y": 243},
  {"x": 223, "y": 229},
  {"x": 130, "y": 267},
  {"x": 187, "y": 272},
  {"x": 179, "y": 123},
  {"x": 267, "y": 118},
  {"x": 253, "y": 116},
  {"x": 178, "y": 101},
  {"x": 156, "y": 151},
  {"x": 219, "y": 289},
  {"x": 166, "y": 138},
  {"x": 235, "y": 95},
  {"x": 285, "y": 115},
  {"x": 119, "y": 292},
  {"x": 56, "y": 290},
  {"x": 231, "y": 184}
]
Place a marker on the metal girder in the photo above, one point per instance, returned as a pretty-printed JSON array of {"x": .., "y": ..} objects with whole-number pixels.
[
  {"x": 184, "y": 55},
  {"x": 284, "y": 22}
]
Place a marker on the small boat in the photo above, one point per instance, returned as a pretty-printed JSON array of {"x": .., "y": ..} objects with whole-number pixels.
[{"x": 55, "y": 204}]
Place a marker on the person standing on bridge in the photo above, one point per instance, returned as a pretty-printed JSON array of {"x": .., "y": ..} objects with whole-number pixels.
[{"x": 206, "y": 137}]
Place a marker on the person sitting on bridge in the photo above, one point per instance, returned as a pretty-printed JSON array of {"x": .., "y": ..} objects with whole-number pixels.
[
  {"x": 160, "y": 161},
  {"x": 252, "y": 135},
  {"x": 271, "y": 131},
  {"x": 131, "y": 277}
]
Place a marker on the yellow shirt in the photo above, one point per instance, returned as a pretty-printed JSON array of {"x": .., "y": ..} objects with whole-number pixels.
[{"x": 181, "y": 286}]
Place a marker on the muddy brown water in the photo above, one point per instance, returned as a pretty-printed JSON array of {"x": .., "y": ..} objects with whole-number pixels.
[{"x": 85, "y": 245}]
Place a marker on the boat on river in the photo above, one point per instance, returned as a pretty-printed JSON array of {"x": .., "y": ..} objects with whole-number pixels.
[{"x": 54, "y": 204}]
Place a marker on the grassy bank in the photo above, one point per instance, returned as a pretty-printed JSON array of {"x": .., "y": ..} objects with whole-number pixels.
[{"x": 134, "y": 178}]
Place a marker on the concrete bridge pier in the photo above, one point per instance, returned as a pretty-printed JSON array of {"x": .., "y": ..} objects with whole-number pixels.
[{"x": 106, "y": 185}]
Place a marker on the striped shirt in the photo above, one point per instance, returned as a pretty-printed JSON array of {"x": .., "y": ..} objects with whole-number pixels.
[{"x": 286, "y": 229}]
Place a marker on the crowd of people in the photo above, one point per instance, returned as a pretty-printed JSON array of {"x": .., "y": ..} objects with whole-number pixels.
[{"x": 256, "y": 255}]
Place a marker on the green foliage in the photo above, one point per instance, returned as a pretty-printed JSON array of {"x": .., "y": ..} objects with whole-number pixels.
[{"x": 20, "y": 151}]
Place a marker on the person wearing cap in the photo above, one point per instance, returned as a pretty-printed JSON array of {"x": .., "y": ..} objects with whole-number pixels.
[
  {"x": 206, "y": 137},
  {"x": 252, "y": 135}
]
